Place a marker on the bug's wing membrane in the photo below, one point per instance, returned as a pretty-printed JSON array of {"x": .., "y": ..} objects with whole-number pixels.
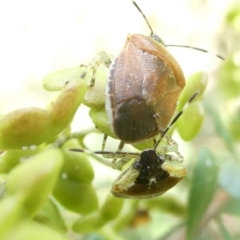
[
  {"x": 128, "y": 74},
  {"x": 163, "y": 78},
  {"x": 160, "y": 88},
  {"x": 162, "y": 73},
  {"x": 159, "y": 80},
  {"x": 128, "y": 98}
]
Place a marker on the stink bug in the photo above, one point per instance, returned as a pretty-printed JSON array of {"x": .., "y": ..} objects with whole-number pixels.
[
  {"x": 153, "y": 171},
  {"x": 142, "y": 88},
  {"x": 149, "y": 176}
]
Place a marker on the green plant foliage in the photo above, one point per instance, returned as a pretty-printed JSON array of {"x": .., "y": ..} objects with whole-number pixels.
[
  {"x": 229, "y": 178},
  {"x": 11, "y": 211},
  {"x": 192, "y": 118},
  {"x": 49, "y": 215},
  {"x": 33, "y": 126},
  {"x": 111, "y": 207},
  {"x": 50, "y": 192},
  {"x": 35, "y": 188},
  {"x": 99, "y": 118},
  {"x": 191, "y": 121},
  {"x": 90, "y": 223},
  {"x": 196, "y": 84},
  {"x": 204, "y": 183},
  {"x": 26, "y": 231},
  {"x": 11, "y": 158}
]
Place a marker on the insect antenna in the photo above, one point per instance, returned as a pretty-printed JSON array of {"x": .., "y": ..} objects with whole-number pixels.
[
  {"x": 155, "y": 37},
  {"x": 195, "y": 48},
  {"x": 139, "y": 9}
]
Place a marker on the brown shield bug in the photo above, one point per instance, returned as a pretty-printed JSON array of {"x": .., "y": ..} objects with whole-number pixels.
[
  {"x": 142, "y": 88},
  {"x": 149, "y": 176}
]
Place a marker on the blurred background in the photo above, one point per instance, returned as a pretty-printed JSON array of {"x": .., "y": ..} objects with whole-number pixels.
[{"x": 39, "y": 37}]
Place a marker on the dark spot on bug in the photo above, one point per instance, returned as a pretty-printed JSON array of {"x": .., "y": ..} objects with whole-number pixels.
[{"x": 150, "y": 167}]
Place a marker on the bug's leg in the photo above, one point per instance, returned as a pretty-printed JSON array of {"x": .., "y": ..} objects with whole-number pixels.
[
  {"x": 106, "y": 155},
  {"x": 100, "y": 58},
  {"x": 122, "y": 156},
  {"x": 125, "y": 159},
  {"x": 170, "y": 146},
  {"x": 104, "y": 141},
  {"x": 114, "y": 161},
  {"x": 178, "y": 158},
  {"x": 114, "y": 155},
  {"x": 171, "y": 143},
  {"x": 167, "y": 148}
]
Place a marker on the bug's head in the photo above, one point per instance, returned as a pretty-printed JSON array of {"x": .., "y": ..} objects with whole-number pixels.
[
  {"x": 149, "y": 162},
  {"x": 157, "y": 39}
]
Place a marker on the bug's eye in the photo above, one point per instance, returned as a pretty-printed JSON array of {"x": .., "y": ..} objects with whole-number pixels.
[
  {"x": 157, "y": 39},
  {"x": 137, "y": 165},
  {"x": 161, "y": 159}
]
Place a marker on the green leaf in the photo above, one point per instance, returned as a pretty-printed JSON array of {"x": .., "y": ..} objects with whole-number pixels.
[
  {"x": 34, "y": 179},
  {"x": 190, "y": 123},
  {"x": 25, "y": 127},
  {"x": 75, "y": 196},
  {"x": 50, "y": 216},
  {"x": 33, "y": 126},
  {"x": 95, "y": 96},
  {"x": 196, "y": 83},
  {"x": 111, "y": 207},
  {"x": 100, "y": 119},
  {"x": 229, "y": 178},
  {"x": 11, "y": 211},
  {"x": 225, "y": 233},
  {"x": 90, "y": 223},
  {"x": 233, "y": 17},
  {"x": 219, "y": 126},
  {"x": 76, "y": 165},
  {"x": 9, "y": 159},
  {"x": 65, "y": 106},
  {"x": 31, "y": 230},
  {"x": 56, "y": 81},
  {"x": 203, "y": 185},
  {"x": 229, "y": 78},
  {"x": 168, "y": 204},
  {"x": 232, "y": 207}
]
